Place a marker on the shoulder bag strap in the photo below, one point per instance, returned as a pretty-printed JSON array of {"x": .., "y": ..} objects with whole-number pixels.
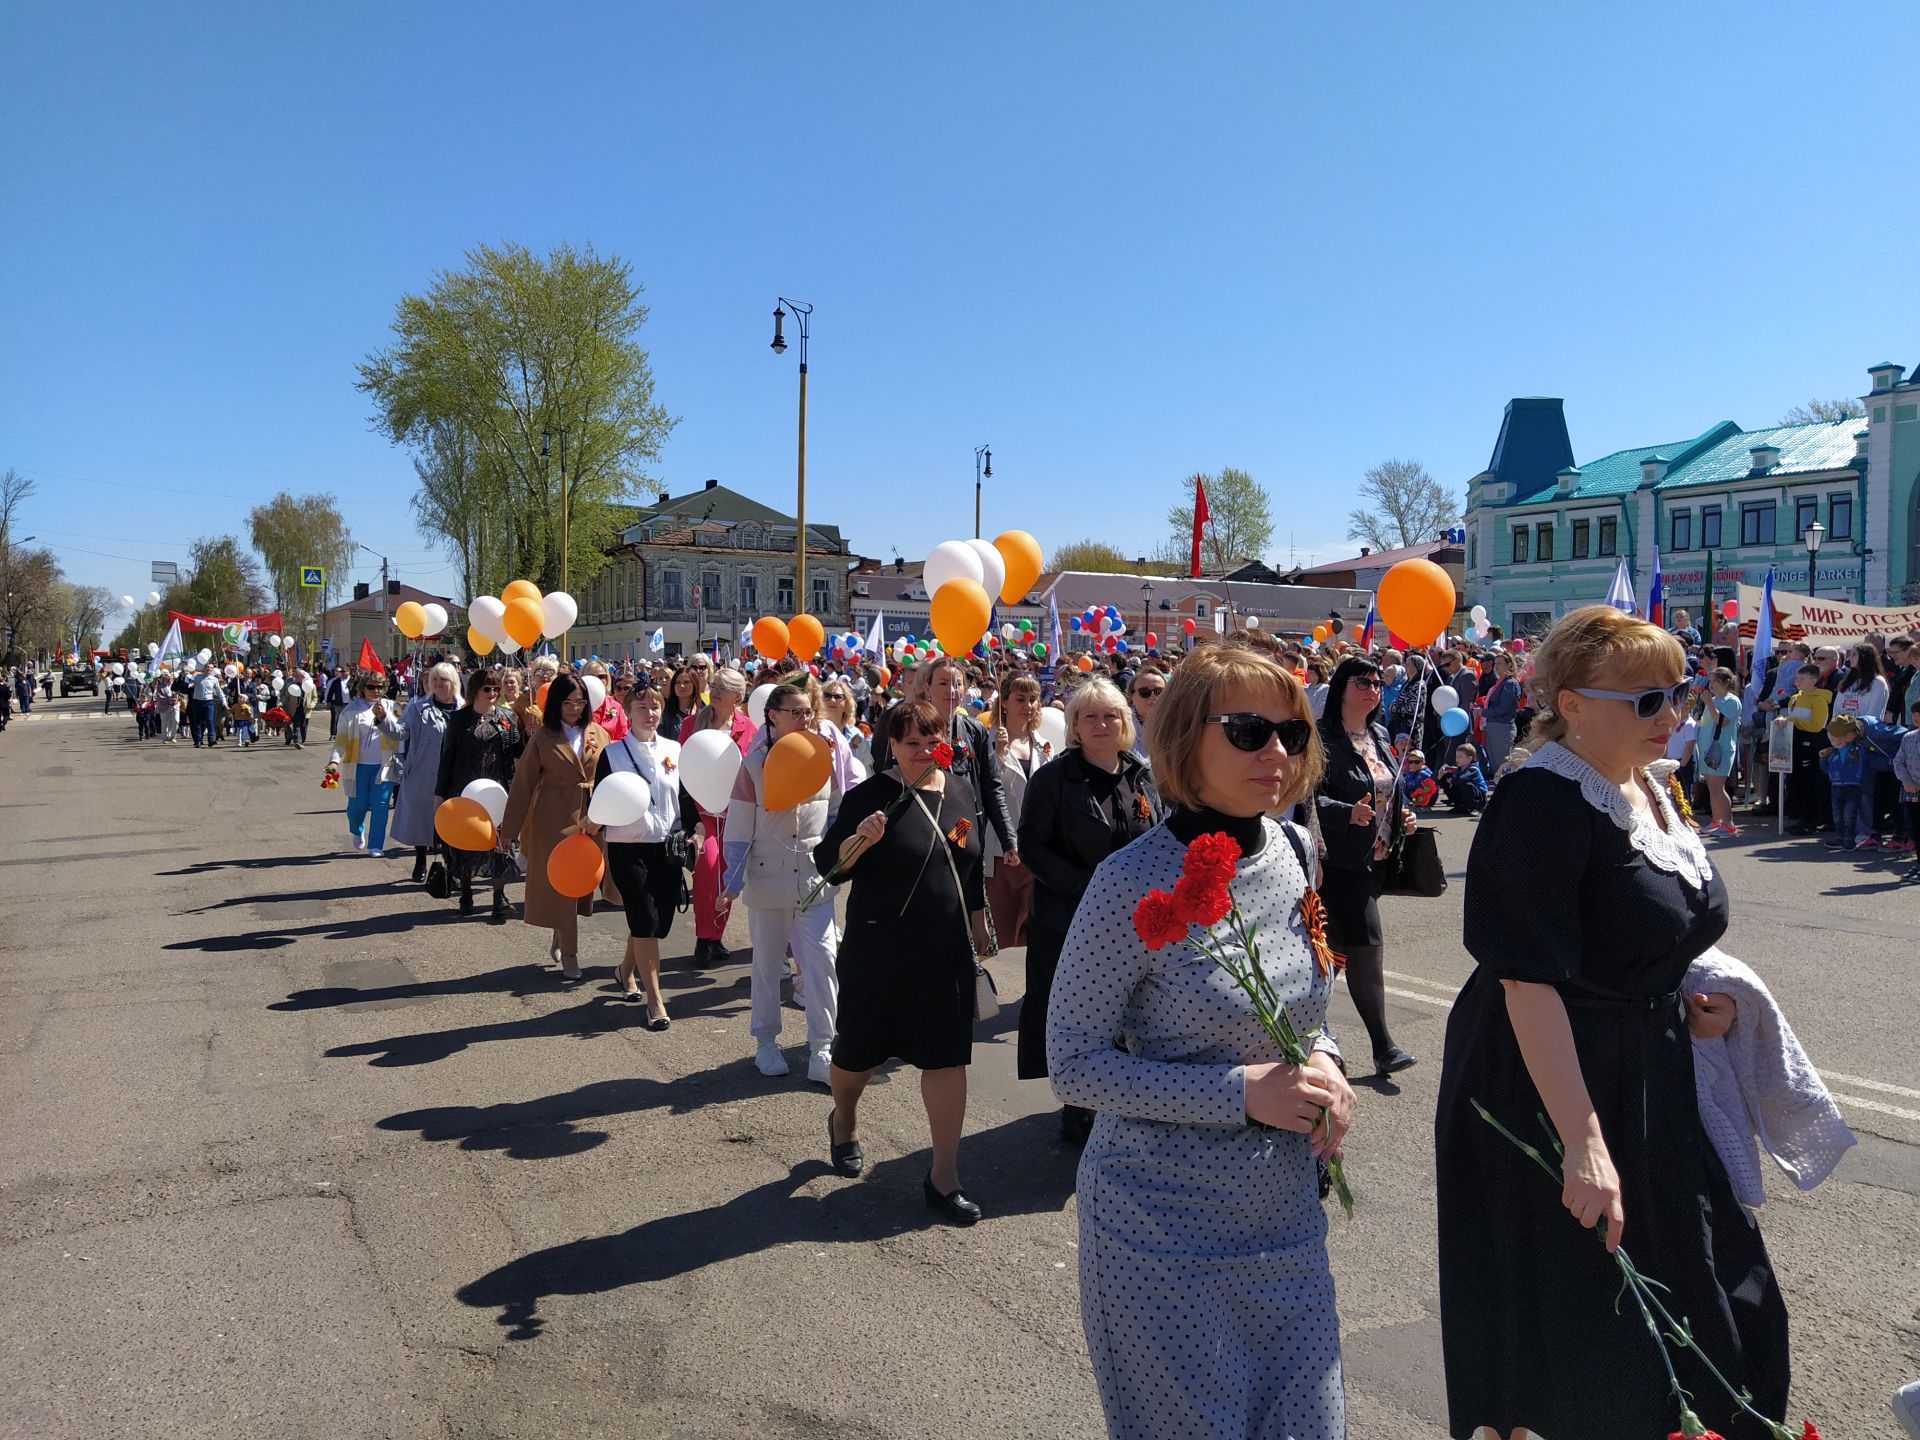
[{"x": 940, "y": 839}]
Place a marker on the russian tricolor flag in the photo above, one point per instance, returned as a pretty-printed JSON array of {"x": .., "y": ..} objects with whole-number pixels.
[
  {"x": 1366, "y": 631},
  {"x": 1656, "y": 609}
]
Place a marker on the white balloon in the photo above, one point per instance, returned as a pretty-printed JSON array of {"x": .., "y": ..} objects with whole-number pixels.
[
  {"x": 286, "y": 640},
  {"x": 127, "y": 600},
  {"x": 1052, "y": 728},
  {"x": 492, "y": 796},
  {"x": 1253, "y": 622},
  {"x": 279, "y": 674},
  {"x": 153, "y": 597},
  {"x": 274, "y": 641},
  {"x": 952, "y": 560},
  {"x": 708, "y": 763},
  {"x": 118, "y": 668},
  {"x": 757, "y": 705},
  {"x": 1009, "y": 630},
  {"x": 557, "y": 614},
  {"x": 1444, "y": 699},
  {"x": 488, "y": 615},
  {"x": 436, "y": 620},
  {"x": 204, "y": 656},
  {"x": 1479, "y": 614},
  {"x": 620, "y": 799},
  {"x": 596, "y": 689},
  {"x": 153, "y": 647},
  {"x": 993, "y": 567},
  {"x": 232, "y": 670},
  {"x": 278, "y": 684}
]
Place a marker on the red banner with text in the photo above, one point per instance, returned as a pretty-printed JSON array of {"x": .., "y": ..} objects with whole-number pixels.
[
  {"x": 269, "y": 622},
  {"x": 1819, "y": 620}
]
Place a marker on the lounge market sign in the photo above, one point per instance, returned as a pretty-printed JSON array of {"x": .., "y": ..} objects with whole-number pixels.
[{"x": 1824, "y": 621}]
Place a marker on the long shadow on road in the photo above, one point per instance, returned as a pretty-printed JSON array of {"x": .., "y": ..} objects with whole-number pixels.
[
  {"x": 1014, "y": 1169},
  {"x": 279, "y": 935},
  {"x": 251, "y": 862},
  {"x": 518, "y": 981}
]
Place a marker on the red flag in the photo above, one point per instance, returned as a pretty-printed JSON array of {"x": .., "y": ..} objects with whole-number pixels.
[
  {"x": 368, "y": 660},
  {"x": 1200, "y": 517}
]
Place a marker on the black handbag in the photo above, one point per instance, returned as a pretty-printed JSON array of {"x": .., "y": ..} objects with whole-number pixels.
[
  {"x": 438, "y": 884},
  {"x": 1413, "y": 868}
]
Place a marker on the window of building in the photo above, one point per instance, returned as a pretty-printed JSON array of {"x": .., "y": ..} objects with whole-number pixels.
[
  {"x": 1906, "y": 412},
  {"x": 1681, "y": 537},
  {"x": 749, "y": 594},
  {"x": 1839, "y": 517},
  {"x": 822, "y": 596},
  {"x": 1531, "y": 623},
  {"x": 1582, "y": 539},
  {"x": 1470, "y": 548},
  {"x": 672, "y": 596},
  {"x": 710, "y": 595},
  {"x": 1609, "y": 535},
  {"x": 1806, "y": 510},
  {"x": 1710, "y": 526},
  {"x": 1757, "y": 522},
  {"x": 783, "y": 595},
  {"x": 1543, "y": 542},
  {"x": 1200, "y": 610},
  {"x": 1519, "y": 544}
]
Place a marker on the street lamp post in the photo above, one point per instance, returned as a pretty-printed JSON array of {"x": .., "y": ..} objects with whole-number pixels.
[
  {"x": 980, "y": 453},
  {"x": 802, "y": 318},
  {"x": 565, "y": 513},
  {"x": 1146, "y": 609},
  {"x": 1816, "y": 533},
  {"x": 381, "y": 608}
]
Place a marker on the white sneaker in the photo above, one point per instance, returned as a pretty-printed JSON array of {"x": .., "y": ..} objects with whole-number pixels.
[
  {"x": 359, "y": 839},
  {"x": 377, "y": 853},
  {"x": 820, "y": 1067},
  {"x": 768, "y": 1060}
]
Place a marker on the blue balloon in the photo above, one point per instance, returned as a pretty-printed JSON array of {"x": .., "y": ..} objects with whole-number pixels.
[
  {"x": 1075, "y": 623},
  {"x": 912, "y": 641},
  {"x": 1454, "y": 721},
  {"x": 1113, "y": 612},
  {"x": 1120, "y": 645}
]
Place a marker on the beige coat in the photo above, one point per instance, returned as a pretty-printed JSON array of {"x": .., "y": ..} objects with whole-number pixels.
[{"x": 551, "y": 787}]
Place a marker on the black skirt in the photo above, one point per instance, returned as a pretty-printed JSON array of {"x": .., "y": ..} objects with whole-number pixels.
[
  {"x": 649, "y": 887},
  {"x": 904, "y": 993},
  {"x": 1352, "y": 898}
]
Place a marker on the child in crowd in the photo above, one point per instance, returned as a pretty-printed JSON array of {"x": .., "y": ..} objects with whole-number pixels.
[
  {"x": 1417, "y": 782},
  {"x": 1681, "y": 743},
  {"x": 1906, "y": 769},
  {"x": 1844, "y": 762},
  {"x": 1808, "y": 708},
  {"x": 242, "y": 722},
  {"x": 1463, "y": 782}
]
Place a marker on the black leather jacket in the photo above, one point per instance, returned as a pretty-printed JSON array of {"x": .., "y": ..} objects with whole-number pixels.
[
  {"x": 1350, "y": 846},
  {"x": 1064, "y": 834}
]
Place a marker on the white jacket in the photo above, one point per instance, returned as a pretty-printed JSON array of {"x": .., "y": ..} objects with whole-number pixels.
[
  {"x": 657, "y": 762},
  {"x": 769, "y": 853}
]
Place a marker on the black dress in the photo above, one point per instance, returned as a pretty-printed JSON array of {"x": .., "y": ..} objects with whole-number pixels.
[
  {"x": 906, "y": 955},
  {"x": 477, "y": 747},
  {"x": 1559, "y": 892}
]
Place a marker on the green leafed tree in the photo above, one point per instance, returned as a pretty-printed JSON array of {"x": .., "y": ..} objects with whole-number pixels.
[
  {"x": 1407, "y": 506},
  {"x": 486, "y": 370},
  {"x": 293, "y": 532},
  {"x": 1094, "y": 557},
  {"x": 1239, "y": 520}
]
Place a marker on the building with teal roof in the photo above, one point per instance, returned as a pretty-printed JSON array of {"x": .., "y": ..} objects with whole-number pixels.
[{"x": 1544, "y": 534}]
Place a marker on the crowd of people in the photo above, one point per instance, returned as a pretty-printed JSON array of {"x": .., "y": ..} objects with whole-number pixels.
[{"x": 975, "y": 802}]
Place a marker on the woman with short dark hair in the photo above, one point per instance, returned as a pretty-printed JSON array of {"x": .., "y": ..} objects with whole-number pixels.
[
  {"x": 551, "y": 787},
  {"x": 481, "y": 743}
]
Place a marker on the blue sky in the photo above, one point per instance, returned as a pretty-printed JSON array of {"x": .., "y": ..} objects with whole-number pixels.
[{"x": 1118, "y": 242}]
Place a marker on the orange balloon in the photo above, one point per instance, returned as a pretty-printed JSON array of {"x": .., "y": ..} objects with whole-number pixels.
[
  {"x": 520, "y": 589},
  {"x": 540, "y": 696},
  {"x": 805, "y": 636},
  {"x": 1416, "y": 600},
  {"x": 1022, "y": 555},
  {"x": 959, "y": 613},
  {"x": 1085, "y": 662},
  {"x": 478, "y": 643},
  {"x": 464, "y": 824},
  {"x": 797, "y": 767},
  {"x": 1321, "y": 632},
  {"x": 770, "y": 636},
  {"x": 886, "y": 676},
  {"x": 410, "y": 619},
  {"x": 574, "y": 866},
  {"x": 524, "y": 619}
]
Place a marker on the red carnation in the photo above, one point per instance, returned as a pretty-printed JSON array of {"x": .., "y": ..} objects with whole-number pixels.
[
  {"x": 1198, "y": 901},
  {"x": 1156, "y": 920},
  {"x": 942, "y": 754},
  {"x": 1211, "y": 859},
  {"x": 1809, "y": 1433}
]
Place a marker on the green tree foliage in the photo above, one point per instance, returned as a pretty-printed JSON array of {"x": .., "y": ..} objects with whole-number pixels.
[
  {"x": 1092, "y": 556},
  {"x": 28, "y": 579},
  {"x": 80, "y": 611},
  {"x": 491, "y": 359},
  {"x": 1408, "y": 506},
  {"x": 1239, "y": 521},
  {"x": 221, "y": 578},
  {"x": 290, "y": 532}
]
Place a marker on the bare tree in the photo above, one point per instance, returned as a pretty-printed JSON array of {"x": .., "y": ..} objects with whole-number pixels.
[
  {"x": 1816, "y": 411},
  {"x": 82, "y": 610},
  {"x": 15, "y": 490},
  {"x": 1409, "y": 506}
]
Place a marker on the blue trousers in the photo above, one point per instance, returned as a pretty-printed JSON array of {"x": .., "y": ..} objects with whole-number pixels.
[
  {"x": 1852, "y": 815},
  {"x": 200, "y": 717},
  {"x": 369, "y": 804}
]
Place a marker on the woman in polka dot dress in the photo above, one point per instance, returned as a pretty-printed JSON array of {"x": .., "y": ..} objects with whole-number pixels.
[{"x": 1205, "y": 1291}]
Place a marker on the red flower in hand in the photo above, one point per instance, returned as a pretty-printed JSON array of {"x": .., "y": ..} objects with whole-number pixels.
[
  {"x": 1156, "y": 920},
  {"x": 1211, "y": 860},
  {"x": 1197, "y": 900},
  {"x": 942, "y": 754},
  {"x": 1809, "y": 1433}
]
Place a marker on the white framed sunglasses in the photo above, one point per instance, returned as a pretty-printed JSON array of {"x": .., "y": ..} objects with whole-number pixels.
[{"x": 1646, "y": 703}]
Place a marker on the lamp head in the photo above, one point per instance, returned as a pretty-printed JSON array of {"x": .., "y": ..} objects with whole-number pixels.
[
  {"x": 989, "y": 454},
  {"x": 1816, "y": 533},
  {"x": 779, "y": 340}
]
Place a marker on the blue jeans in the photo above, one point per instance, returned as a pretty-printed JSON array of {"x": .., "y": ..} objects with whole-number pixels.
[
  {"x": 368, "y": 805},
  {"x": 1852, "y": 816},
  {"x": 200, "y": 717}
]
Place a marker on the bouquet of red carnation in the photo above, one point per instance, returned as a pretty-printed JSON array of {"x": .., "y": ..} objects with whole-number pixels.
[
  {"x": 1201, "y": 899},
  {"x": 942, "y": 758}
]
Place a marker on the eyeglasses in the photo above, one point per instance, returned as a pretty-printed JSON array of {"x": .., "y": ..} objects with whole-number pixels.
[
  {"x": 1368, "y": 682},
  {"x": 1251, "y": 732},
  {"x": 1646, "y": 703},
  {"x": 489, "y": 690},
  {"x": 1145, "y": 694},
  {"x": 806, "y": 714}
]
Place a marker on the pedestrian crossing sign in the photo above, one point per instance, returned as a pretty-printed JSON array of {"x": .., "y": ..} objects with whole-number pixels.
[{"x": 313, "y": 577}]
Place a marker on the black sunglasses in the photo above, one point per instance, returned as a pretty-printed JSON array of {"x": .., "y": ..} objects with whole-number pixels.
[
  {"x": 1251, "y": 732},
  {"x": 1646, "y": 703},
  {"x": 1368, "y": 682}
]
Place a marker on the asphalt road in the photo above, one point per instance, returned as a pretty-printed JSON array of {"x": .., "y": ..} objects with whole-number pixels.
[{"x": 290, "y": 1149}]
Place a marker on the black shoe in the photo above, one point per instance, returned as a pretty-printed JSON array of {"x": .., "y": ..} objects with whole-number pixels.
[
  {"x": 502, "y": 912},
  {"x": 659, "y": 1022},
  {"x": 419, "y": 870},
  {"x": 1391, "y": 1062},
  {"x": 849, "y": 1159},
  {"x": 466, "y": 900},
  {"x": 955, "y": 1208}
]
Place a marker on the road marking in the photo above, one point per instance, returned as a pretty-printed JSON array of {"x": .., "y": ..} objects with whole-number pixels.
[
  {"x": 1880, "y": 1085},
  {"x": 1854, "y": 1102},
  {"x": 1450, "y": 987},
  {"x": 1423, "y": 999}
]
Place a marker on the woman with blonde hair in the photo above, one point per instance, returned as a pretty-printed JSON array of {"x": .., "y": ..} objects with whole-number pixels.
[
  {"x": 1205, "y": 1290},
  {"x": 1587, "y": 898},
  {"x": 424, "y": 723},
  {"x": 366, "y": 747},
  {"x": 530, "y": 714},
  {"x": 1020, "y": 751},
  {"x": 725, "y": 709},
  {"x": 1093, "y": 801}
]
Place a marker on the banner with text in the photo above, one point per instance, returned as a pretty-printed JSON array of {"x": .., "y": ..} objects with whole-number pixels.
[
  {"x": 269, "y": 622},
  {"x": 1821, "y": 621}
]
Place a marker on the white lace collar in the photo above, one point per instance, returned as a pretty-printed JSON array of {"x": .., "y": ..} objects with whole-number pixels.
[{"x": 1675, "y": 847}]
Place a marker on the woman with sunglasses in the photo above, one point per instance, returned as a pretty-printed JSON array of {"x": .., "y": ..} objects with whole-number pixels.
[
  {"x": 1096, "y": 799},
  {"x": 482, "y": 742},
  {"x": 1587, "y": 898},
  {"x": 1363, "y": 815},
  {"x": 1021, "y": 752},
  {"x": 366, "y": 750},
  {"x": 1205, "y": 1290}
]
